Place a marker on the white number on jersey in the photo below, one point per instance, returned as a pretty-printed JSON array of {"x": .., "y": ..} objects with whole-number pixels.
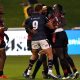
[{"x": 35, "y": 25}]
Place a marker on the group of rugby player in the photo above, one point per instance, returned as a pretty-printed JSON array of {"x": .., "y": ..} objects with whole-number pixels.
[{"x": 48, "y": 40}]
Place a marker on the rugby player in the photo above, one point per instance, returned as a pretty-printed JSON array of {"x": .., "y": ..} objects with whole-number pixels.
[
  {"x": 2, "y": 44},
  {"x": 37, "y": 24},
  {"x": 60, "y": 40},
  {"x": 47, "y": 11},
  {"x": 68, "y": 58},
  {"x": 42, "y": 58},
  {"x": 57, "y": 22}
]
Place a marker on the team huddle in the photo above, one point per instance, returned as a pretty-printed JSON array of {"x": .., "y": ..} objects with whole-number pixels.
[{"x": 48, "y": 42}]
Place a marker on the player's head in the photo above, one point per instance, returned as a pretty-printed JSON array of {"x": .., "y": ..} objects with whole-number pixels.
[
  {"x": 44, "y": 8},
  {"x": 58, "y": 7},
  {"x": 30, "y": 11},
  {"x": 38, "y": 8},
  {"x": 49, "y": 9}
]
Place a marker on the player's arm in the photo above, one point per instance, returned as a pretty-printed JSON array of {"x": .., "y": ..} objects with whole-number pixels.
[
  {"x": 25, "y": 25},
  {"x": 5, "y": 28},
  {"x": 28, "y": 28},
  {"x": 62, "y": 22},
  {"x": 50, "y": 24},
  {"x": 2, "y": 29}
]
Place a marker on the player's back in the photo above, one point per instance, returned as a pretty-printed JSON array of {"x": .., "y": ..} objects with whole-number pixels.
[{"x": 38, "y": 21}]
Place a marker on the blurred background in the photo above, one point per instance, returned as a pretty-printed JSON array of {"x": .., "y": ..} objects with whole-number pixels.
[{"x": 14, "y": 12}]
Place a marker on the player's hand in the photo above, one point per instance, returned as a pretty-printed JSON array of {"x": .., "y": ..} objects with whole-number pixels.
[
  {"x": 1, "y": 29},
  {"x": 33, "y": 31},
  {"x": 50, "y": 24}
]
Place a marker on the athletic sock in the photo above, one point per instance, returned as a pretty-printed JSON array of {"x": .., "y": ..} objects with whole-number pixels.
[
  {"x": 56, "y": 64},
  {"x": 39, "y": 62},
  {"x": 69, "y": 70},
  {"x": 44, "y": 61},
  {"x": 31, "y": 63},
  {"x": 38, "y": 65},
  {"x": 70, "y": 61},
  {"x": 65, "y": 72},
  {"x": 64, "y": 65},
  {"x": 50, "y": 64},
  {"x": 46, "y": 70}
]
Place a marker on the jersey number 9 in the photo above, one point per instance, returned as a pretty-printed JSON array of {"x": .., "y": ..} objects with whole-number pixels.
[{"x": 35, "y": 25}]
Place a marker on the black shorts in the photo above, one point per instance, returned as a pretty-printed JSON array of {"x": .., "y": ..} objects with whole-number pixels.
[
  {"x": 59, "y": 52},
  {"x": 29, "y": 45},
  {"x": 60, "y": 39},
  {"x": 49, "y": 37}
]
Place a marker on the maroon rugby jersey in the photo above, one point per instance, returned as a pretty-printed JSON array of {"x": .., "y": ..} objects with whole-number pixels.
[
  {"x": 58, "y": 20},
  {"x": 1, "y": 31}
]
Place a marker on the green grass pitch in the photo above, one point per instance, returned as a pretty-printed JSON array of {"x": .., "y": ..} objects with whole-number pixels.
[{"x": 15, "y": 65}]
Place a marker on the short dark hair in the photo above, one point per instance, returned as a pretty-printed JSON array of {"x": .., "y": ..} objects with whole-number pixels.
[
  {"x": 38, "y": 7},
  {"x": 60, "y": 7},
  {"x": 30, "y": 11}
]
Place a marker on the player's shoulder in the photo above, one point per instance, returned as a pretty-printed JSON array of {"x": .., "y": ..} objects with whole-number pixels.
[
  {"x": 27, "y": 20},
  {"x": 41, "y": 16}
]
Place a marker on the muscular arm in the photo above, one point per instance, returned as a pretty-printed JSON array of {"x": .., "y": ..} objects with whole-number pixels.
[
  {"x": 56, "y": 22},
  {"x": 50, "y": 24},
  {"x": 28, "y": 28},
  {"x": 62, "y": 22}
]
